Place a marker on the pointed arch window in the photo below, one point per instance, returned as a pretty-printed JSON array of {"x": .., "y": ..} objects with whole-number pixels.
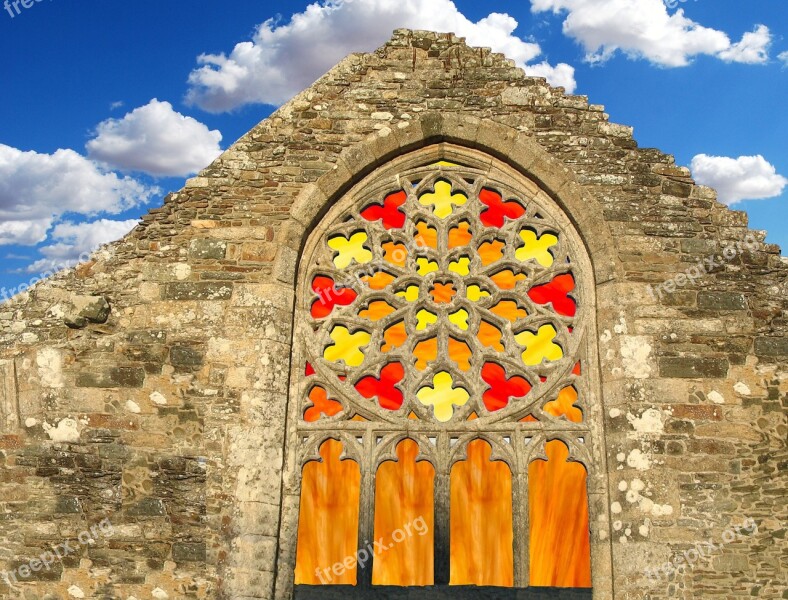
[{"x": 441, "y": 352}]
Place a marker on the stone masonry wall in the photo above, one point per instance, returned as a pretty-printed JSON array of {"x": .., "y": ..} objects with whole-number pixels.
[{"x": 147, "y": 389}]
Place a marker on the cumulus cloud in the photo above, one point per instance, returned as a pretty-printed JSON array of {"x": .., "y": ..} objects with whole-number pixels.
[
  {"x": 783, "y": 57},
  {"x": 157, "y": 140},
  {"x": 283, "y": 59},
  {"x": 37, "y": 189},
  {"x": 74, "y": 239},
  {"x": 737, "y": 179},
  {"x": 645, "y": 29}
]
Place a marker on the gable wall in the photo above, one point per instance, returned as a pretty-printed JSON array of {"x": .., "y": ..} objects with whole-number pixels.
[{"x": 168, "y": 418}]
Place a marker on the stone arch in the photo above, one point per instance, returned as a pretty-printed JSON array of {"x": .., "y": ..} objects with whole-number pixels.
[{"x": 519, "y": 152}]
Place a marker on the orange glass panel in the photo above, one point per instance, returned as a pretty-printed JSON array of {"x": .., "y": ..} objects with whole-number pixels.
[
  {"x": 506, "y": 280},
  {"x": 460, "y": 235},
  {"x": 489, "y": 252},
  {"x": 321, "y": 405},
  {"x": 377, "y": 310},
  {"x": 394, "y": 337},
  {"x": 426, "y": 236},
  {"x": 404, "y": 519},
  {"x": 490, "y": 336},
  {"x": 328, "y": 520},
  {"x": 425, "y": 352},
  {"x": 529, "y": 419},
  {"x": 395, "y": 253},
  {"x": 481, "y": 520},
  {"x": 508, "y": 310},
  {"x": 558, "y": 504},
  {"x": 565, "y": 405},
  {"x": 379, "y": 281},
  {"x": 442, "y": 293},
  {"x": 460, "y": 354}
]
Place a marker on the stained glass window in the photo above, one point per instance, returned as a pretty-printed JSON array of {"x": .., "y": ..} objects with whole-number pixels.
[{"x": 441, "y": 337}]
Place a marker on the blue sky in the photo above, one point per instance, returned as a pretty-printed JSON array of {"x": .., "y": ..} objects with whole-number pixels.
[{"x": 107, "y": 105}]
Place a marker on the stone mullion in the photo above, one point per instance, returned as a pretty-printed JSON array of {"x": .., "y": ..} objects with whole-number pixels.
[
  {"x": 366, "y": 517},
  {"x": 441, "y": 541},
  {"x": 521, "y": 519}
]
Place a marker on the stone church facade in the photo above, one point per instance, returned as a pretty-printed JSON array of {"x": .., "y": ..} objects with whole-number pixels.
[{"x": 152, "y": 430}]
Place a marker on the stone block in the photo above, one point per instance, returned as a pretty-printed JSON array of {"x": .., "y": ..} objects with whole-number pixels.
[
  {"x": 721, "y": 301},
  {"x": 197, "y": 291},
  {"x": 207, "y": 249},
  {"x": 689, "y": 367},
  {"x": 112, "y": 377},
  {"x": 771, "y": 346}
]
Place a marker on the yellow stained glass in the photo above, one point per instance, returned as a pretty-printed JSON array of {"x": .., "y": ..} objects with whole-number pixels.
[
  {"x": 460, "y": 319},
  {"x": 410, "y": 293},
  {"x": 443, "y": 396},
  {"x": 461, "y": 266},
  {"x": 536, "y": 247},
  {"x": 474, "y": 293},
  {"x": 443, "y": 201},
  {"x": 425, "y": 319},
  {"x": 347, "y": 346},
  {"x": 539, "y": 346},
  {"x": 508, "y": 310},
  {"x": 350, "y": 249},
  {"x": 426, "y": 266},
  {"x": 377, "y": 310}
]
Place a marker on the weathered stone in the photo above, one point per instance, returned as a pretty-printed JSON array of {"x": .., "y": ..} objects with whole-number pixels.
[
  {"x": 721, "y": 301},
  {"x": 771, "y": 346},
  {"x": 111, "y": 377},
  {"x": 197, "y": 291},
  {"x": 86, "y": 309},
  {"x": 207, "y": 249},
  {"x": 693, "y": 367}
]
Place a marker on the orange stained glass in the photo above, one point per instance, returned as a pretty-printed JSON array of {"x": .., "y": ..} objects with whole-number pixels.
[
  {"x": 560, "y": 547},
  {"x": 426, "y": 236},
  {"x": 404, "y": 519},
  {"x": 321, "y": 405},
  {"x": 328, "y": 519},
  {"x": 395, "y": 253},
  {"x": 460, "y": 235},
  {"x": 508, "y": 310},
  {"x": 507, "y": 279},
  {"x": 425, "y": 352},
  {"x": 460, "y": 354},
  {"x": 379, "y": 281},
  {"x": 489, "y": 252},
  {"x": 377, "y": 310},
  {"x": 490, "y": 336},
  {"x": 481, "y": 520},
  {"x": 442, "y": 293},
  {"x": 564, "y": 405},
  {"x": 394, "y": 337},
  {"x": 529, "y": 419}
]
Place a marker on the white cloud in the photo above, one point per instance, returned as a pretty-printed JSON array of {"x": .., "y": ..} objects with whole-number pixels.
[
  {"x": 752, "y": 49},
  {"x": 157, "y": 140},
  {"x": 737, "y": 179},
  {"x": 560, "y": 75},
  {"x": 783, "y": 56},
  {"x": 37, "y": 189},
  {"x": 283, "y": 59},
  {"x": 73, "y": 239},
  {"x": 646, "y": 29}
]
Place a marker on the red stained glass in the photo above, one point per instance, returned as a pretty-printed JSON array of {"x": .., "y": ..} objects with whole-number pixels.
[
  {"x": 321, "y": 405},
  {"x": 389, "y": 212},
  {"x": 497, "y": 209},
  {"x": 389, "y": 397},
  {"x": 556, "y": 292},
  {"x": 309, "y": 370},
  {"x": 501, "y": 388},
  {"x": 329, "y": 296}
]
